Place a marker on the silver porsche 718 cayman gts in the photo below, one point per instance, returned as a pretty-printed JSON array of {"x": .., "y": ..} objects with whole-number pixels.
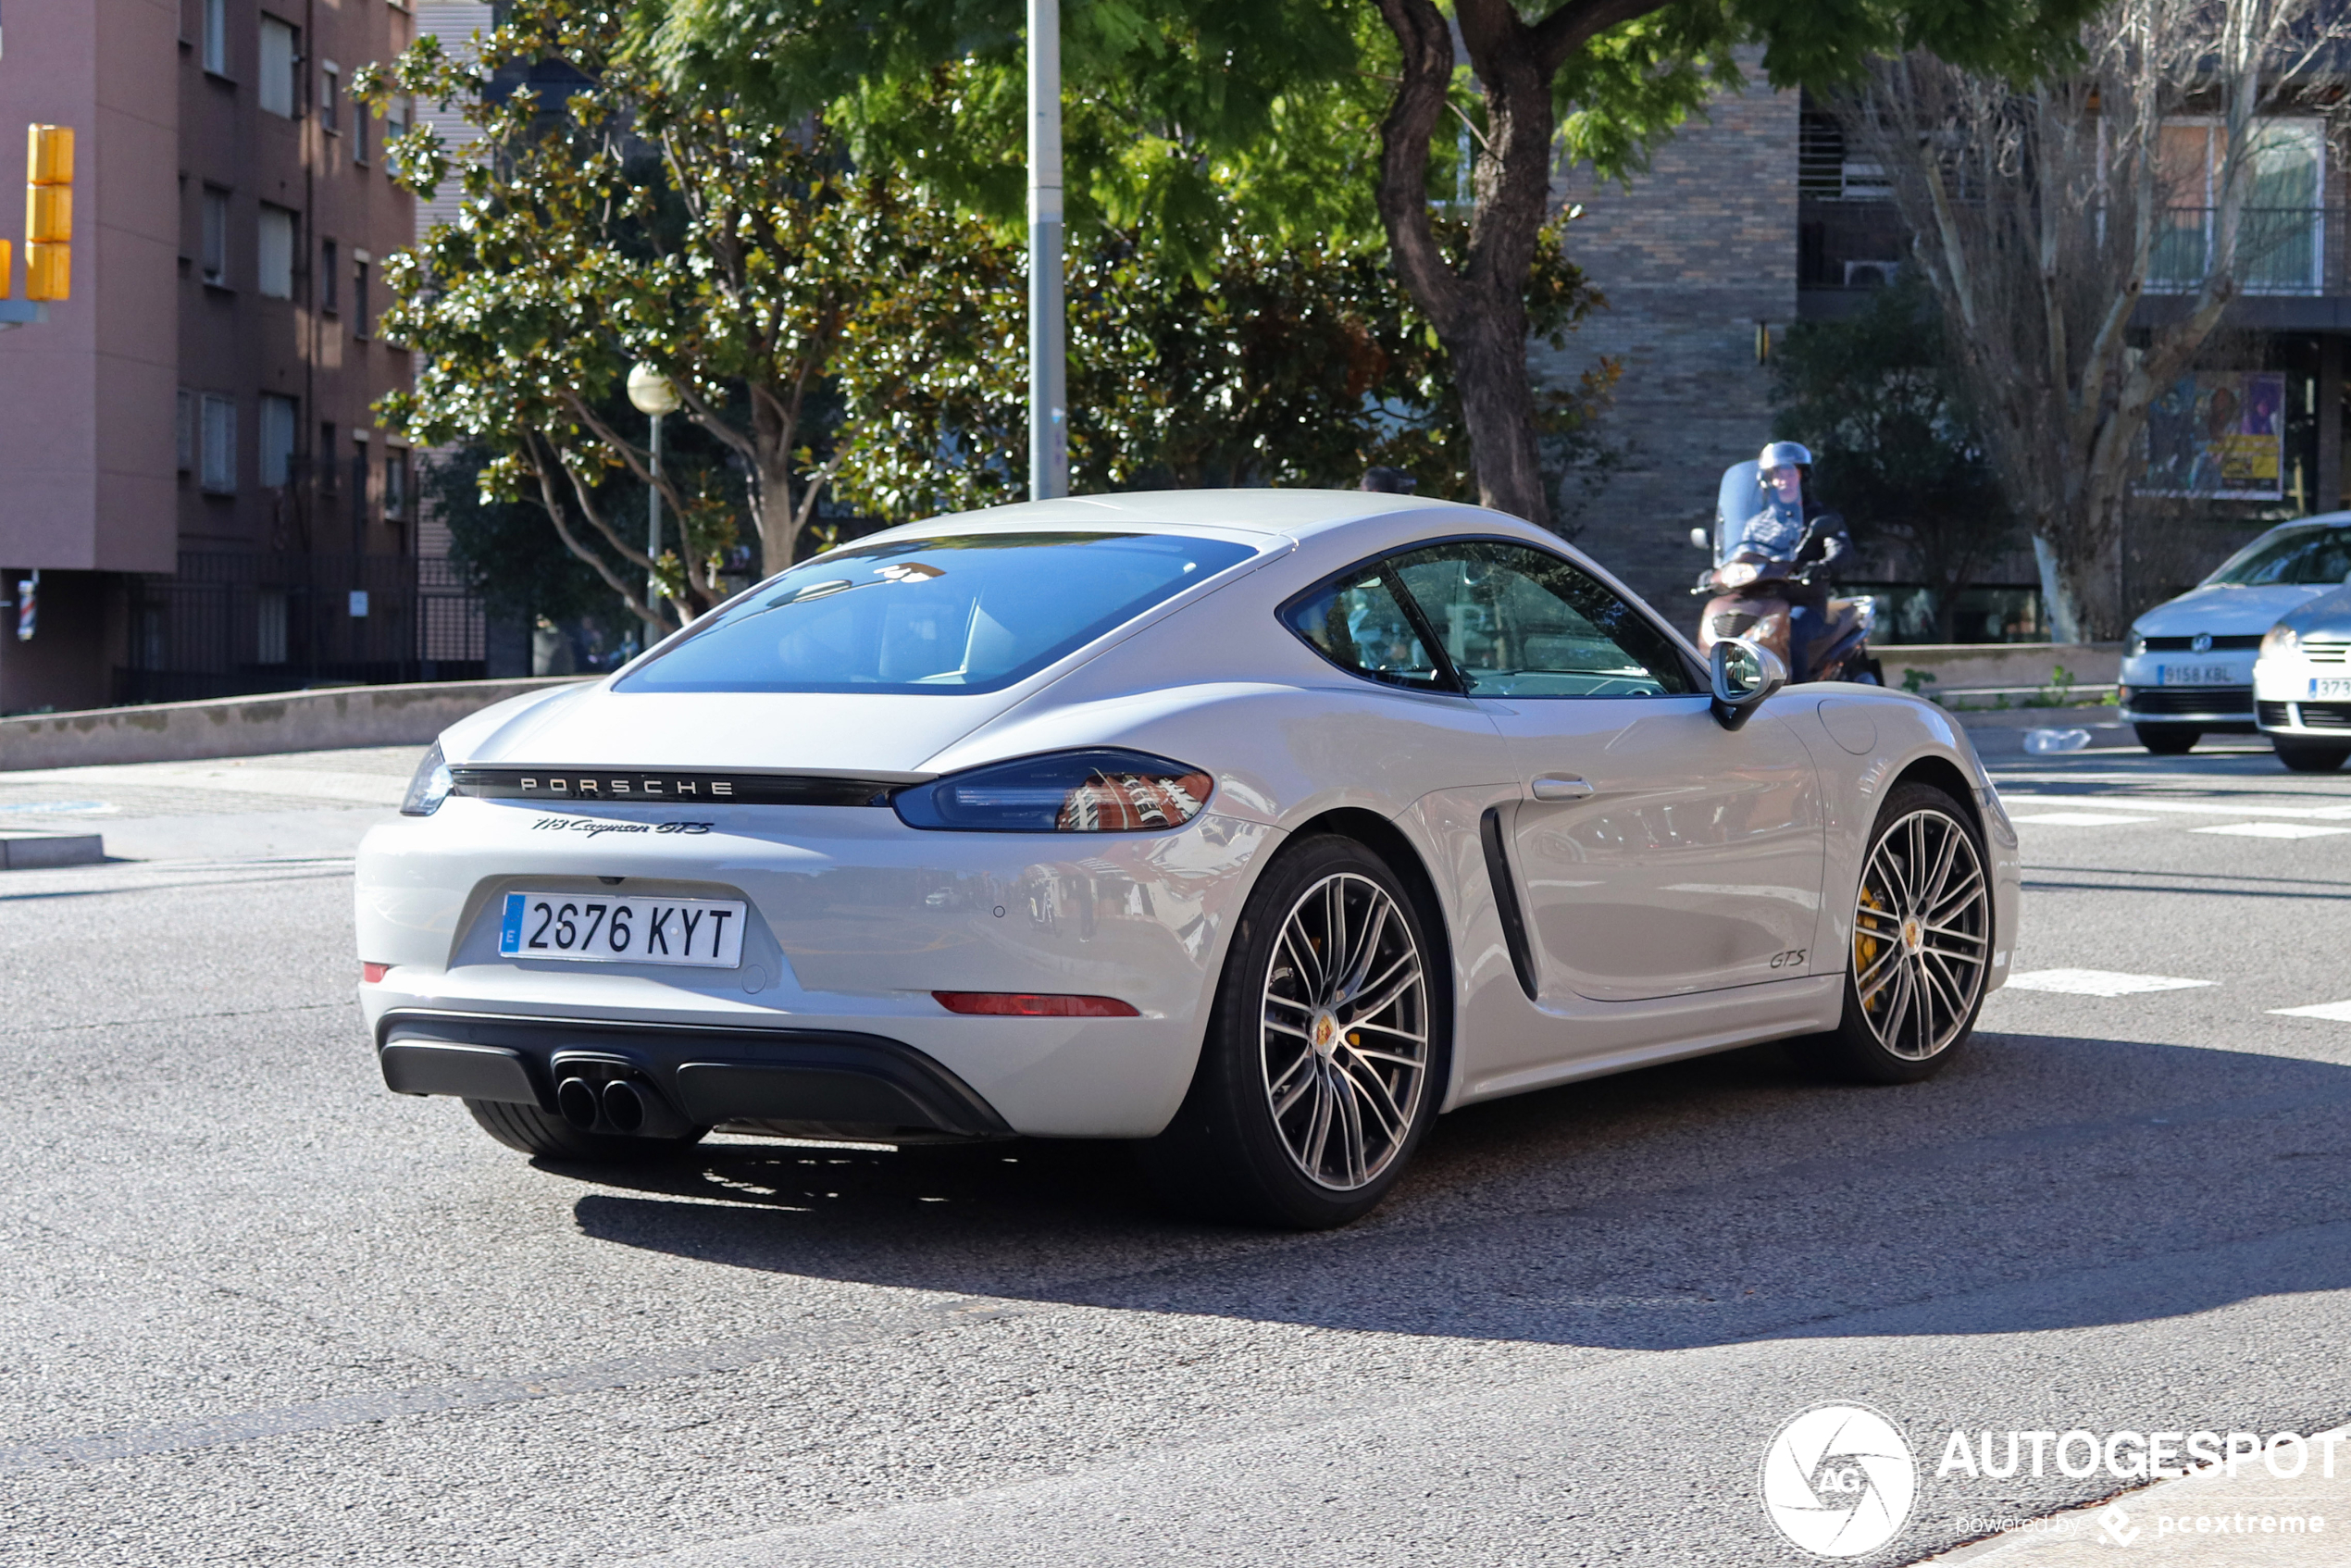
[{"x": 1259, "y": 826}]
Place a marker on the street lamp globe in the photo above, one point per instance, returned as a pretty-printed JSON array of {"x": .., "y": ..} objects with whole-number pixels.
[{"x": 651, "y": 390}]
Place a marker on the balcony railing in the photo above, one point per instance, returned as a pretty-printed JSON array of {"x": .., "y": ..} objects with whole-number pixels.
[{"x": 2281, "y": 251}]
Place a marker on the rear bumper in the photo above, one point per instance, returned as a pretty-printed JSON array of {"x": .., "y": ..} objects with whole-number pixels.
[{"x": 790, "y": 1080}]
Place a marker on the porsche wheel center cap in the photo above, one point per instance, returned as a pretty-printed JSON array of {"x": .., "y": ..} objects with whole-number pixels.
[
  {"x": 1325, "y": 1032},
  {"x": 1913, "y": 934}
]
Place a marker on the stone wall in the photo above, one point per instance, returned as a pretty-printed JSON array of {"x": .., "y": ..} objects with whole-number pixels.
[{"x": 1701, "y": 249}]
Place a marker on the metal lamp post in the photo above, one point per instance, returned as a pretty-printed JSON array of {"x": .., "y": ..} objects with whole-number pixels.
[
  {"x": 1048, "y": 395},
  {"x": 650, "y": 390}
]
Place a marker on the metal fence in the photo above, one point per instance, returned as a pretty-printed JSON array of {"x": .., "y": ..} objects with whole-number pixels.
[{"x": 230, "y": 623}]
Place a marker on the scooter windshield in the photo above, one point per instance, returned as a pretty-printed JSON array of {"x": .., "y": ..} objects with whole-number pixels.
[{"x": 1739, "y": 498}]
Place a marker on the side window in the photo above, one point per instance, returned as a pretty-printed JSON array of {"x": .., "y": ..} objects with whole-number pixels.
[
  {"x": 1356, "y": 622},
  {"x": 1516, "y": 622}
]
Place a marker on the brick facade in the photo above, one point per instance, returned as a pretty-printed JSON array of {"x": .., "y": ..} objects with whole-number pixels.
[{"x": 1699, "y": 250}]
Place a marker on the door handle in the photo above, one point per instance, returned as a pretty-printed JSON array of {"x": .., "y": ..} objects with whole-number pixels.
[{"x": 1560, "y": 787}]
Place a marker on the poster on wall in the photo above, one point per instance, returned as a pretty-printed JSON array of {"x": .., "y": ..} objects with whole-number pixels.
[{"x": 2220, "y": 434}]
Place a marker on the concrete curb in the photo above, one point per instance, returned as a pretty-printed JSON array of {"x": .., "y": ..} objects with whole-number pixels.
[
  {"x": 322, "y": 720},
  {"x": 28, "y": 852}
]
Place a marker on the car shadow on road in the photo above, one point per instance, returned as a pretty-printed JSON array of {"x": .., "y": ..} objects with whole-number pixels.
[{"x": 2039, "y": 1182}]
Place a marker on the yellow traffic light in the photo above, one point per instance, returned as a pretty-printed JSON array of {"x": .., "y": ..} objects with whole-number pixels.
[{"x": 48, "y": 212}]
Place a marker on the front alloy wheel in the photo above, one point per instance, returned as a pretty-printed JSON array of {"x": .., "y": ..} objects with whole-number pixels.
[
  {"x": 1922, "y": 943},
  {"x": 1326, "y": 1055}
]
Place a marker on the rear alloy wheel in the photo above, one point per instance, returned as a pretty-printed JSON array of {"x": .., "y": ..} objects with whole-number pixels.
[
  {"x": 1921, "y": 945},
  {"x": 2168, "y": 739},
  {"x": 2303, "y": 757},
  {"x": 533, "y": 1131},
  {"x": 1324, "y": 1059}
]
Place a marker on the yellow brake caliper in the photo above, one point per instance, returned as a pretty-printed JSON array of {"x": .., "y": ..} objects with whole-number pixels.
[{"x": 1865, "y": 946}]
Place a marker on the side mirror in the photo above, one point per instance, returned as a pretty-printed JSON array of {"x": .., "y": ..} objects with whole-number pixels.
[
  {"x": 1745, "y": 672},
  {"x": 1699, "y": 537}
]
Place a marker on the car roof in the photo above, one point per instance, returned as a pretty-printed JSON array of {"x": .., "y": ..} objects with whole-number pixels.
[{"x": 1265, "y": 511}]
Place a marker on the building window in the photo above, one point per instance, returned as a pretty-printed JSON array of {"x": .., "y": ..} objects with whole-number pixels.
[
  {"x": 359, "y": 294},
  {"x": 185, "y": 430},
  {"x": 219, "y": 476},
  {"x": 358, "y": 131},
  {"x": 278, "y": 83},
  {"x": 215, "y": 36},
  {"x": 278, "y": 425},
  {"x": 2280, "y": 230},
  {"x": 273, "y": 266},
  {"x": 269, "y": 627},
  {"x": 215, "y": 236},
  {"x": 396, "y": 486},
  {"x": 397, "y": 114},
  {"x": 330, "y": 91},
  {"x": 329, "y": 276}
]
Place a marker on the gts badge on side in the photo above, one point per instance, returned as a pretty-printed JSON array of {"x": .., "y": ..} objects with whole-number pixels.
[{"x": 1792, "y": 959}]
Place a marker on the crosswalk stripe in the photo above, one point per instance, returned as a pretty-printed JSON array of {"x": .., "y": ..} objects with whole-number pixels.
[{"x": 2098, "y": 982}]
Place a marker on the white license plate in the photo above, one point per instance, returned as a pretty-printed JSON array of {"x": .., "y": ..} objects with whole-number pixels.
[
  {"x": 593, "y": 928},
  {"x": 2193, "y": 675},
  {"x": 2327, "y": 688}
]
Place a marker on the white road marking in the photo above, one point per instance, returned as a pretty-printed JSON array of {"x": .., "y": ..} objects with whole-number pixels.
[
  {"x": 2079, "y": 818},
  {"x": 2273, "y": 829},
  {"x": 2340, "y": 1012},
  {"x": 2096, "y": 982}
]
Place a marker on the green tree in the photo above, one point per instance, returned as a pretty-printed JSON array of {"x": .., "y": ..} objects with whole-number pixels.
[
  {"x": 503, "y": 551},
  {"x": 1603, "y": 79},
  {"x": 1298, "y": 365},
  {"x": 625, "y": 222},
  {"x": 1293, "y": 110},
  {"x": 1877, "y": 398}
]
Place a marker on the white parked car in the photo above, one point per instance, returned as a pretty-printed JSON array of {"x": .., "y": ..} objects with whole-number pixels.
[
  {"x": 1258, "y": 826},
  {"x": 2302, "y": 684},
  {"x": 2187, "y": 669}
]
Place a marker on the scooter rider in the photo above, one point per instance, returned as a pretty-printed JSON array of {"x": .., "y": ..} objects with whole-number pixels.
[{"x": 1792, "y": 527}]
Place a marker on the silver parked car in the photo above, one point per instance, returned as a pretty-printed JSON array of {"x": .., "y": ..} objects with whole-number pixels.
[
  {"x": 2188, "y": 671},
  {"x": 1258, "y": 827},
  {"x": 2302, "y": 684}
]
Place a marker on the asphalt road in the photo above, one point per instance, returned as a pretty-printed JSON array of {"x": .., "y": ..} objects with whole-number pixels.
[{"x": 254, "y": 1309}]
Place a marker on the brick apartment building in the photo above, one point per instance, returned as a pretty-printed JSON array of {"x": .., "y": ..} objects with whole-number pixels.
[
  {"x": 192, "y": 464},
  {"x": 1756, "y": 217}
]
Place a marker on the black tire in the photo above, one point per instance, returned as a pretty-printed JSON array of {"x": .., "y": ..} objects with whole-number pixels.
[
  {"x": 1228, "y": 1153},
  {"x": 2168, "y": 739},
  {"x": 2303, "y": 757},
  {"x": 1908, "y": 957},
  {"x": 533, "y": 1131}
]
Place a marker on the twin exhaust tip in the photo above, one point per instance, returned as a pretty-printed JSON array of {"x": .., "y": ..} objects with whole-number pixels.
[{"x": 620, "y": 1106}]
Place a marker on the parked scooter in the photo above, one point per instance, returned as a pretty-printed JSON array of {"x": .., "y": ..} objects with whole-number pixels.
[{"x": 1751, "y": 594}]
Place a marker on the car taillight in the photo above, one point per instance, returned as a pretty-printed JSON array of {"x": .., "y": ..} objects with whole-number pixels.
[
  {"x": 429, "y": 787},
  {"x": 1033, "y": 1004},
  {"x": 374, "y": 973},
  {"x": 1093, "y": 791}
]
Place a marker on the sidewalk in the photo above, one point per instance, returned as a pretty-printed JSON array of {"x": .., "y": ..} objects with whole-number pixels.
[{"x": 2251, "y": 1519}]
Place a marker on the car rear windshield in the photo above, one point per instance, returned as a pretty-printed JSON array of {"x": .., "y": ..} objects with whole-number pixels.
[
  {"x": 2309, "y": 556},
  {"x": 957, "y": 612}
]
